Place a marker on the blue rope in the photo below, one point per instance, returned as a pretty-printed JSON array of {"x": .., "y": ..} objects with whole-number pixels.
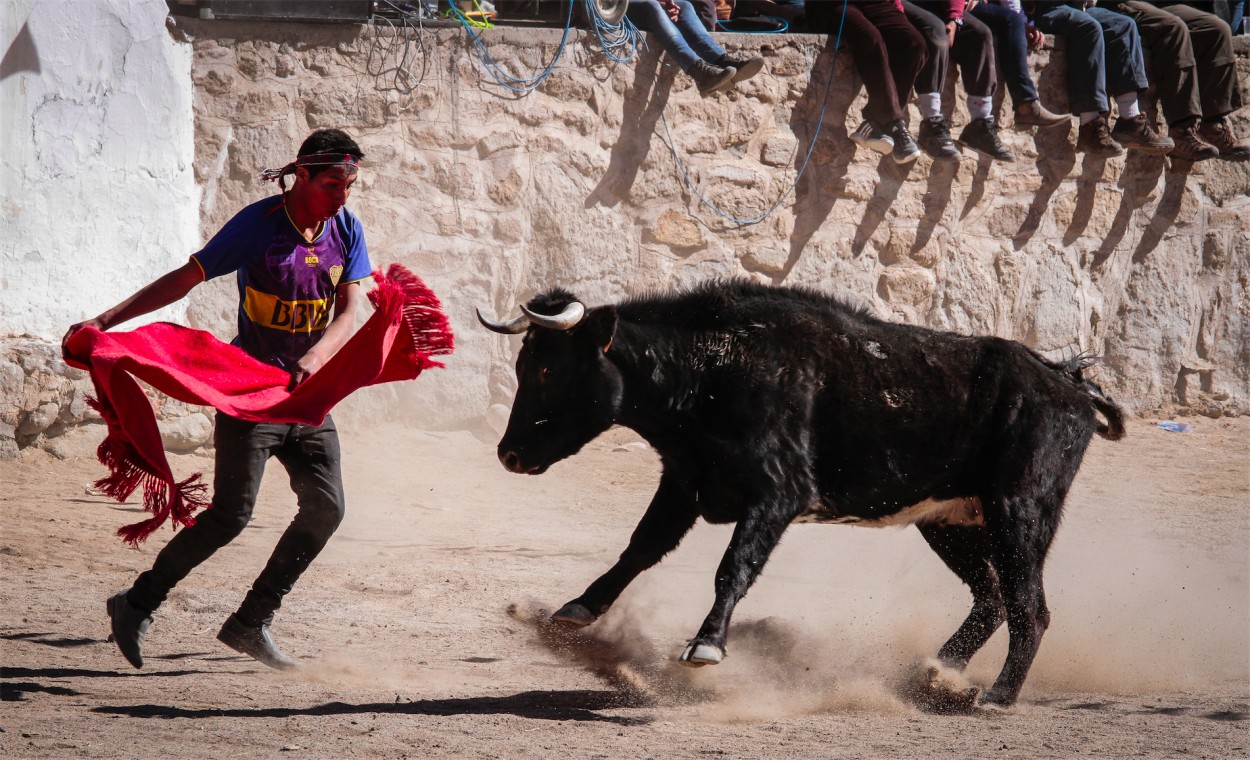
[{"x": 802, "y": 168}]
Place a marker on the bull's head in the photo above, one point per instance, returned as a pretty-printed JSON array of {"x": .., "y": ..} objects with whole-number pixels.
[{"x": 568, "y": 391}]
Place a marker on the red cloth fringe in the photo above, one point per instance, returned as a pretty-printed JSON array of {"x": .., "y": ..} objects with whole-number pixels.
[{"x": 397, "y": 342}]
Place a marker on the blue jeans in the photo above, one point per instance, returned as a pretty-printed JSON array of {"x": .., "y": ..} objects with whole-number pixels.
[
  {"x": 1104, "y": 54},
  {"x": 1012, "y": 47},
  {"x": 685, "y": 40}
]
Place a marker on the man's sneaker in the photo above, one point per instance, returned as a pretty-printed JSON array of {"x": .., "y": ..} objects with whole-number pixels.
[
  {"x": 255, "y": 642},
  {"x": 935, "y": 139},
  {"x": 1189, "y": 143},
  {"x": 1137, "y": 133},
  {"x": 1219, "y": 134},
  {"x": 1095, "y": 139},
  {"x": 130, "y": 626},
  {"x": 1034, "y": 114},
  {"x": 905, "y": 147},
  {"x": 871, "y": 136},
  {"x": 981, "y": 135},
  {"x": 711, "y": 79},
  {"x": 744, "y": 68}
]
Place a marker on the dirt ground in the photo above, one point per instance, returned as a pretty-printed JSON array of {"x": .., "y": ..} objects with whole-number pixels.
[{"x": 410, "y": 649}]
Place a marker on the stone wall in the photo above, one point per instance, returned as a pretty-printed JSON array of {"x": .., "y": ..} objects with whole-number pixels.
[{"x": 492, "y": 197}]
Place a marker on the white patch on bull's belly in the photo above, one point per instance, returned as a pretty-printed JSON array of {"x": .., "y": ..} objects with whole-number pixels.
[{"x": 961, "y": 511}]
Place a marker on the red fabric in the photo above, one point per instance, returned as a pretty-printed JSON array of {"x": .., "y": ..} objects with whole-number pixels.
[{"x": 395, "y": 343}]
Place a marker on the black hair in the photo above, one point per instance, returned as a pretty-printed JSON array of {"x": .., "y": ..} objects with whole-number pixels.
[{"x": 329, "y": 141}]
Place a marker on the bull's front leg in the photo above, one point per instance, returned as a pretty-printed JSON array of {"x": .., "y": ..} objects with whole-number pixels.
[
  {"x": 669, "y": 517},
  {"x": 754, "y": 539}
]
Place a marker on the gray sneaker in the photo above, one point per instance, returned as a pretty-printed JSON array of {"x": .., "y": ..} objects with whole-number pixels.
[
  {"x": 255, "y": 642},
  {"x": 129, "y": 625},
  {"x": 711, "y": 79},
  {"x": 744, "y": 68}
]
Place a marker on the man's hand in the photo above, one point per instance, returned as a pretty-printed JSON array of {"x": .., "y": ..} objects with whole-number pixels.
[
  {"x": 951, "y": 28},
  {"x": 76, "y": 327},
  {"x": 305, "y": 368},
  {"x": 671, "y": 8},
  {"x": 1036, "y": 38}
]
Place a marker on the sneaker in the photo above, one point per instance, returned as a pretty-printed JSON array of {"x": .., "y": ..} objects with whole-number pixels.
[
  {"x": 255, "y": 642},
  {"x": 1219, "y": 134},
  {"x": 1138, "y": 133},
  {"x": 935, "y": 139},
  {"x": 1095, "y": 139},
  {"x": 711, "y": 79},
  {"x": 981, "y": 135},
  {"x": 1189, "y": 143},
  {"x": 129, "y": 625},
  {"x": 905, "y": 147},
  {"x": 1034, "y": 114},
  {"x": 870, "y": 136},
  {"x": 745, "y": 68}
]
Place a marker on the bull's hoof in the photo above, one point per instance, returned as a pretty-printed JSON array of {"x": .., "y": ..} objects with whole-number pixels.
[
  {"x": 573, "y": 614},
  {"x": 697, "y": 655}
]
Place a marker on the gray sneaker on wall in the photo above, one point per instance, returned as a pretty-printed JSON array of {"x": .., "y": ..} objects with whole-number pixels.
[{"x": 711, "y": 79}]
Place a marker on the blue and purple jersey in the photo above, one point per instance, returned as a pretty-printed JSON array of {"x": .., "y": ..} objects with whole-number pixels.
[{"x": 286, "y": 282}]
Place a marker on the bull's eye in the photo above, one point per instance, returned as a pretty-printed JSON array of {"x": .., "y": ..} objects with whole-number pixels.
[{"x": 546, "y": 373}]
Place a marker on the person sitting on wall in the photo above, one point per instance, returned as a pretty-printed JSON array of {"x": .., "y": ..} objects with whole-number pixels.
[
  {"x": 1195, "y": 73},
  {"x": 301, "y": 248},
  {"x": 679, "y": 31},
  {"x": 949, "y": 33},
  {"x": 889, "y": 54},
  {"x": 1012, "y": 39}
]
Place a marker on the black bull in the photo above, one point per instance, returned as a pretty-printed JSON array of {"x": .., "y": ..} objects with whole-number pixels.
[{"x": 769, "y": 406}]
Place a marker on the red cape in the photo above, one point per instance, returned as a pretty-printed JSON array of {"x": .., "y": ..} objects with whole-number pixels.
[{"x": 395, "y": 343}]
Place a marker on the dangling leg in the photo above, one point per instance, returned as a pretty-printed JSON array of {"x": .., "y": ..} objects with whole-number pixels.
[{"x": 966, "y": 551}]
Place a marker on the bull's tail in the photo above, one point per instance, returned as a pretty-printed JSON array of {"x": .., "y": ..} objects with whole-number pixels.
[{"x": 1071, "y": 369}]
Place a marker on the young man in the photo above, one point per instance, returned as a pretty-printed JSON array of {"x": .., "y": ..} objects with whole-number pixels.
[
  {"x": 681, "y": 33},
  {"x": 297, "y": 257}
]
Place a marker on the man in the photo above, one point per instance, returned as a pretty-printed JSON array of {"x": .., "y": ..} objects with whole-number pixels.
[
  {"x": 297, "y": 257},
  {"x": 889, "y": 54},
  {"x": 950, "y": 33},
  {"x": 679, "y": 31},
  {"x": 1104, "y": 59},
  {"x": 1195, "y": 72},
  {"x": 1012, "y": 40}
]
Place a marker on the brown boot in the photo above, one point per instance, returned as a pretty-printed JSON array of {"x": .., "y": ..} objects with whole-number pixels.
[
  {"x": 1219, "y": 134},
  {"x": 1189, "y": 145},
  {"x": 1095, "y": 139},
  {"x": 1139, "y": 134},
  {"x": 1034, "y": 114}
]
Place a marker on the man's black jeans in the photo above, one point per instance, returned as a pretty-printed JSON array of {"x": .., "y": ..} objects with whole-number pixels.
[{"x": 311, "y": 458}]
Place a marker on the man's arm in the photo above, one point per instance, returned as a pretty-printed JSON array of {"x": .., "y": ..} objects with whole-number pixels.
[
  {"x": 161, "y": 292},
  {"x": 346, "y": 301}
]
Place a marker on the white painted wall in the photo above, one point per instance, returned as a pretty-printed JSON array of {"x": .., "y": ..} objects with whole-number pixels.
[{"x": 97, "y": 189}]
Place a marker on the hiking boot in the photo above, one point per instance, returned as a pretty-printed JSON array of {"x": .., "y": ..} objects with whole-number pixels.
[
  {"x": 905, "y": 147},
  {"x": 1189, "y": 143},
  {"x": 255, "y": 642},
  {"x": 711, "y": 79},
  {"x": 870, "y": 136},
  {"x": 1095, "y": 139},
  {"x": 981, "y": 135},
  {"x": 1137, "y": 133},
  {"x": 935, "y": 139},
  {"x": 1219, "y": 134},
  {"x": 744, "y": 68},
  {"x": 1034, "y": 114},
  {"x": 129, "y": 625}
]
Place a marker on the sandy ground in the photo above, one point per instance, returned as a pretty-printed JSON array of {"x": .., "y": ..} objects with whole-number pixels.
[{"x": 410, "y": 649}]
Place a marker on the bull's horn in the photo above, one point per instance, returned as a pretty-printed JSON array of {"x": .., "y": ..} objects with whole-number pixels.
[
  {"x": 518, "y": 325},
  {"x": 565, "y": 320}
]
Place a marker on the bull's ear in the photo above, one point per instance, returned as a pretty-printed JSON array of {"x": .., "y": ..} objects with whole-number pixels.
[{"x": 598, "y": 327}]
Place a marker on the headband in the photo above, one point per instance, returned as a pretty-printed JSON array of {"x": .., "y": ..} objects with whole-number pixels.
[{"x": 312, "y": 159}]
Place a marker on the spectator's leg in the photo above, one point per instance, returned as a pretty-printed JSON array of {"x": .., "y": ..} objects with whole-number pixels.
[
  {"x": 932, "y": 74},
  {"x": 872, "y": 61},
  {"x": 649, "y": 16},
  {"x": 1217, "y": 66},
  {"x": 1086, "y": 57},
  {"x": 1126, "y": 63},
  {"x": 905, "y": 44},
  {"x": 1012, "y": 48},
  {"x": 1170, "y": 56},
  {"x": 974, "y": 54},
  {"x": 695, "y": 35}
]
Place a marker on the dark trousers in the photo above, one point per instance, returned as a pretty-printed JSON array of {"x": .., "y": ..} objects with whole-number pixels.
[
  {"x": 1011, "y": 45},
  {"x": 888, "y": 51},
  {"x": 973, "y": 51},
  {"x": 1191, "y": 59},
  {"x": 1104, "y": 54},
  {"x": 311, "y": 458},
  {"x": 685, "y": 40}
]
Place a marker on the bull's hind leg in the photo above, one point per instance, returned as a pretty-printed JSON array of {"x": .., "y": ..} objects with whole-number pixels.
[
  {"x": 966, "y": 551},
  {"x": 669, "y": 517}
]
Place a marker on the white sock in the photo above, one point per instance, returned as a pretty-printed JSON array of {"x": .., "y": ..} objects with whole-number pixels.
[
  {"x": 980, "y": 106},
  {"x": 930, "y": 104},
  {"x": 1127, "y": 104},
  {"x": 1088, "y": 116}
]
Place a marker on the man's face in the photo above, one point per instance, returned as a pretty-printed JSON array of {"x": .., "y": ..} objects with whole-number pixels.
[{"x": 326, "y": 193}]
